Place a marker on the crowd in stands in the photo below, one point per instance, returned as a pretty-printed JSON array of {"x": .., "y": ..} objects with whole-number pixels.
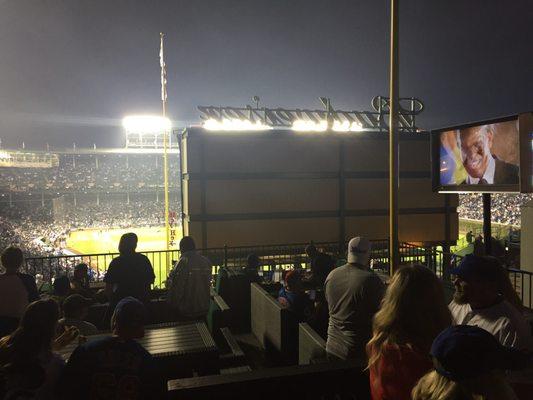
[
  {"x": 90, "y": 173},
  {"x": 115, "y": 214},
  {"x": 36, "y": 237},
  {"x": 38, "y": 233},
  {"x": 505, "y": 208},
  {"x": 402, "y": 330},
  {"x": 37, "y": 207}
]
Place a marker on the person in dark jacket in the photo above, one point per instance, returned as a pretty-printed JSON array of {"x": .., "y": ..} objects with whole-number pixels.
[
  {"x": 17, "y": 290},
  {"x": 321, "y": 265}
]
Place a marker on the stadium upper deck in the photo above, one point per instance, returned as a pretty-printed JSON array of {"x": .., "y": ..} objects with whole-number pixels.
[{"x": 91, "y": 170}]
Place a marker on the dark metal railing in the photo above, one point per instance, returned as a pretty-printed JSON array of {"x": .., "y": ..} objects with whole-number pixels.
[
  {"x": 273, "y": 258},
  {"x": 521, "y": 281},
  {"x": 441, "y": 263}
]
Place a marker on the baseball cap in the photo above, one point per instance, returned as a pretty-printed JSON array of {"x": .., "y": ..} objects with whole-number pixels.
[
  {"x": 463, "y": 352},
  {"x": 359, "y": 250},
  {"x": 129, "y": 313},
  {"x": 480, "y": 267}
]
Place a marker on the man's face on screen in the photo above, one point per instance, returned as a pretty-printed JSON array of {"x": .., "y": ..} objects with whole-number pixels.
[{"x": 475, "y": 150}]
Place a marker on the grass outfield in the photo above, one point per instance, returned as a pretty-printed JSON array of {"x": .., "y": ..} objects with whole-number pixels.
[{"x": 99, "y": 241}]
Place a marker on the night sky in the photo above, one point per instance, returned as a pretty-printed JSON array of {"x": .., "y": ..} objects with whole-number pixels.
[{"x": 71, "y": 69}]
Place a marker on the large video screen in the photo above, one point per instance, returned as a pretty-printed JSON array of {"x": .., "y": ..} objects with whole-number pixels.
[{"x": 484, "y": 157}]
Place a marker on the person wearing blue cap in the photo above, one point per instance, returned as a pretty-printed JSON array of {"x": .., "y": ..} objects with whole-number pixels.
[
  {"x": 479, "y": 300},
  {"x": 116, "y": 366},
  {"x": 468, "y": 365}
]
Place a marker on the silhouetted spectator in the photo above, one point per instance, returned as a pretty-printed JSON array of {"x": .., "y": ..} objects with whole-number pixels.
[
  {"x": 479, "y": 301},
  {"x": 469, "y": 237},
  {"x": 320, "y": 319},
  {"x": 413, "y": 312},
  {"x": 189, "y": 283},
  {"x": 353, "y": 293},
  {"x": 79, "y": 283},
  {"x": 17, "y": 290},
  {"x": 479, "y": 246},
  {"x": 293, "y": 296},
  {"x": 468, "y": 364},
  {"x": 252, "y": 268},
  {"x": 30, "y": 368},
  {"x": 60, "y": 290},
  {"x": 129, "y": 274},
  {"x": 75, "y": 309},
  {"x": 117, "y": 366},
  {"x": 321, "y": 265}
]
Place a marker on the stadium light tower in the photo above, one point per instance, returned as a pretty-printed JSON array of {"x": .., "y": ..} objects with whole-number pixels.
[
  {"x": 153, "y": 126},
  {"x": 139, "y": 126}
]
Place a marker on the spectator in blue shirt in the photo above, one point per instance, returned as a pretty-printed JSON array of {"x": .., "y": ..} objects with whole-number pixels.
[
  {"x": 114, "y": 367},
  {"x": 292, "y": 296}
]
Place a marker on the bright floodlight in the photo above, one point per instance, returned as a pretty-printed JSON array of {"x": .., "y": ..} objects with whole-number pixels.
[
  {"x": 322, "y": 126},
  {"x": 309, "y": 126},
  {"x": 145, "y": 124},
  {"x": 235, "y": 124}
]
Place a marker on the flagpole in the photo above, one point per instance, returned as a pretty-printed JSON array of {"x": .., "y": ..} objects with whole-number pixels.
[{"x": 165, "y": 141}]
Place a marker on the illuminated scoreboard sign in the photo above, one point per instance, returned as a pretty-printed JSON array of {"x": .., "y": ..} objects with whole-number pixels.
[{"x": 255, "y": 118}]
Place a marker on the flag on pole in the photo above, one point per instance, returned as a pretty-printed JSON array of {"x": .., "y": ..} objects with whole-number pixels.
[{"x": 163, "y": 71}]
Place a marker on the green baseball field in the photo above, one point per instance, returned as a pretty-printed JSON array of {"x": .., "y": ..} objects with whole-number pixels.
[{"x": 105, "y": 241}]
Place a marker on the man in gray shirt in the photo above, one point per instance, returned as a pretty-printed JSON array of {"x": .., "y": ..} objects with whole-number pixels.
[{"x": 353, "y": 293}]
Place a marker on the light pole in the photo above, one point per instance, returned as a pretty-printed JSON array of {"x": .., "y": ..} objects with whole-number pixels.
[{"x": 394, "y": 252}]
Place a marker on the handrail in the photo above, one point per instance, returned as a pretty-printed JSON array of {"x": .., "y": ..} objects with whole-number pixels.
[{"x": 274, "y": 256}]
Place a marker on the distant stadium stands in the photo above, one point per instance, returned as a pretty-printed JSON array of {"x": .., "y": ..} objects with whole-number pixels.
[
  {"x": 505, "y": 207},
  {"x": 85, "y": 189},
  {"x": 91, "y": 172}
]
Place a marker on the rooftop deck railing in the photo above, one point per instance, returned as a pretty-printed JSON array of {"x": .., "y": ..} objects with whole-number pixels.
[{"x": 273, "y": 258}]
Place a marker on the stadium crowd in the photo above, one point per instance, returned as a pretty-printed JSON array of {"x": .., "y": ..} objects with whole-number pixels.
[
  {"x": 38, "y": 210},
  {"x": 414, "y": 343},
  {"x": 37, "y": 232},
  {"x": 90, "y": 173},
  {"x": 505, "y": 208},
  {"x": 115, "y": 214}
]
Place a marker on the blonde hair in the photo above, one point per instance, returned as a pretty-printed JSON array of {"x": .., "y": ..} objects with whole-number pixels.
[
  {"x": 489, "y": 386},
  {"x": 413, "y": 312},
  {"x": 434, "y": 386}
]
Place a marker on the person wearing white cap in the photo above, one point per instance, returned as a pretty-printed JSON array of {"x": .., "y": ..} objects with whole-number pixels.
[{"x": 354, "y": 294}]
